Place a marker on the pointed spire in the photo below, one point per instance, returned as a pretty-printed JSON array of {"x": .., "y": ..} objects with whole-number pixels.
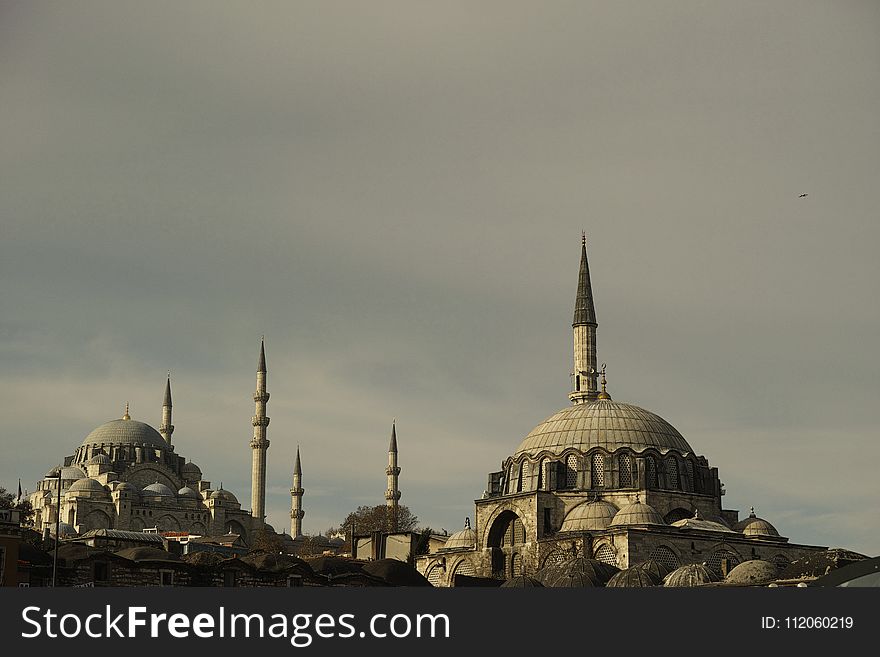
[
  {"x": 393, "y": 446},
  {"x": 261, "y": 366},
  {"x": 584, "y": 312},
  {"x": 297, "y": 468},
  {"x": 167, "y": 401}
]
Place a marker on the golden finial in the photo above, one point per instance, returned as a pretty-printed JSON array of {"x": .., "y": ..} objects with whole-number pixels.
[
  {"x": 583, "y": 238},
  {"x": 604, "y": 394},
  {"x": 126, "y": 416}
]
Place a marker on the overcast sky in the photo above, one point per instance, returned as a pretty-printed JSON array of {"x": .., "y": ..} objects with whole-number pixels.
[{"x": 394, "y": 192}]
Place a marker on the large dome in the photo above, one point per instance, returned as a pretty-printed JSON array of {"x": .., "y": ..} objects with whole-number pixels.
[
  {"x": 603, "y": 423},
  {"x": 125, "y": 432}
]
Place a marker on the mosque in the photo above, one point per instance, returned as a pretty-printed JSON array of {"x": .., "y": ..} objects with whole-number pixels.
[
  {"x": 603, "y": 480},
  {"x": 126, "y": 475}
]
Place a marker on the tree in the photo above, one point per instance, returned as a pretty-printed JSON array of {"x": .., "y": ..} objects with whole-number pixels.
[
  {"x": 366, "y": 519},
  {"x": 8, "y": 501},
  {"x": 267, "y": 541}
]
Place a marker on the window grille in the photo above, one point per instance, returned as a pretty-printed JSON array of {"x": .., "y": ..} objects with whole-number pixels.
[
  {"x": 464, "y": 567},
  {"x": 519, "y": 532},
  {"x": 598, "y": 470},
  {"x": 606, "y": 555},
  {"x": 715, "y": 560},
  {"x": 781, "y": 562},
  {"x": 626, "y": 473},
  {"x": 526, "y": 475},
  {"x": 571, "y": 471},
  {"x": 434, "y": 576},
  {"x": 651, "y": 472},
  {"x": 556, "y": 557},
  {"x": 516, "y": 568},
  {"x": 672, "y": 473},
  {"x": 689, "y": 471},
  {"x": 663, "y": 555},
  {"x": 542, "y": 473}
]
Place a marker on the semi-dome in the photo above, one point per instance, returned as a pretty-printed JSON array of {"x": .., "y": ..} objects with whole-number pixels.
[
  {"x": 186, "y": 491},
  {"x": 99, "y": 459},
  {"x": 125, "y": 432},
  {"x": 637, "y": 513},
  {"x": 603, "y": 423},
  {"x": 86, "y": 485},
  {"x": 158, "y": 490},
  {"x": 589, "y": 516}
]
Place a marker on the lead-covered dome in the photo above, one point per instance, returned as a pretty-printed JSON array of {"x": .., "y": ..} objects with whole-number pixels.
[
  {"x": 125, "y": 432},
  {"x": 603, "y": 423},
  {"x": 589, "y": 516},
  {"x": 157, "y": 490}
]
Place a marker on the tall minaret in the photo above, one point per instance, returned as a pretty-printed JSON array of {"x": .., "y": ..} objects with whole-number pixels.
[
  {"x": 296, "y": 500},
  {"x": 392, "y": 493},
  {"x": 260, "y": 443},
  {"x": 166, "y": 428},
  {"x": 584, "y": 326}
]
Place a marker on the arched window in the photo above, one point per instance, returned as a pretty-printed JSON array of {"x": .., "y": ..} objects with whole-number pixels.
[
  {"x": 571, "y": 471},
  {"x": 625, "y": 462},
  {"x": 664, "y": 555},
  {"x": 519, "y": 479},
  {"x": 511, "y": 478},
  {"x": 651, "y": 471},
  {"x": 598, "y": 470},
  {"x": 722, "y": 562},
  {"x": 672, "y": 473},
  {"x": 689, "y": 479},
  {"x": 526, "y": 475},
  {"x": 515, "y": 534},
  {"x": 434, "y": 575}
]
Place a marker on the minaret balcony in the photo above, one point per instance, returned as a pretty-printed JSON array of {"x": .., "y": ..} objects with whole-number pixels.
[
  {"x": 392, "y": 471},
  {"x": 262, "y": 397},
  {"x": 260, "y": 421},
  {"x": 259, "y": 444},
  {"x": 297, "y": 492}
]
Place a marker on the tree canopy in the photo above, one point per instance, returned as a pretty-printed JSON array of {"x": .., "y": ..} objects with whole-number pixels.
[{"x": 366, "y": 519}]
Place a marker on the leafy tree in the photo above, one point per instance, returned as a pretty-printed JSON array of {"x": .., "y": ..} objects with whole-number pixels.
[
  {"x": 267, "y": 541},
  {"x": 7, "y": 501},
  {"x": 366, "y": 519}
]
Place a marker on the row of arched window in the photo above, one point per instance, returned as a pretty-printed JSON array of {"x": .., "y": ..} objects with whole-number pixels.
[{"x": 670, "y": 473}]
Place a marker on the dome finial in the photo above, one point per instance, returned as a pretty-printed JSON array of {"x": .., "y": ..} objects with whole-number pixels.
[
  {"x": 126, "y": 416},
  {"x": 752, "y": 512},
  {"x": 638, "y": 500},
  {"x": 604, "y": 394},
  {"x": 467, "y": 523}
]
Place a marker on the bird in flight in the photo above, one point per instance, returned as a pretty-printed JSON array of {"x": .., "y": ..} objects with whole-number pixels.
[{"x": 802, "y": 196}]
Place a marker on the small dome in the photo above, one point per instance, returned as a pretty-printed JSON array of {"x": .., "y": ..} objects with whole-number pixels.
[
  {"x": 337, "y": 542},
  {"x": 692, "y": 574},
  {"x": 99, "y": 459},
  {"x": 755, "y": 526},
  {"x": 462, "y": 539},
  {"x": 637, "y": 513},
  {"x": 158, "y": 490},
  {"x": 319, "y": 540},
  {"x": 86, "y": 485},
  {"x": 65, "y": 530},
  {"x": 223, "y": 494},
  {"x": 521, "y": 582},
  {"x": 131, "y": 488},
  {"x": 589, "y": 516},
  {"x": 125, "y": 432},
  {"x": 752, "y": 572},
  {"x": 634, "y": 577},
  {"x": 188, "y": 492},
  {"x": 577, "y": 572},
  {"x": 53, "y": 473},
  {"x": 191, "y": 471}
]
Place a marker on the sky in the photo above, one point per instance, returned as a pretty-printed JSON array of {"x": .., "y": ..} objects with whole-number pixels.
[{"x": 393, "y": 193}]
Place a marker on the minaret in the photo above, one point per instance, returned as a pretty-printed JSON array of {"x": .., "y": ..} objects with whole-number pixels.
[
  {"x": 392, "y": 493},
  {"x": 166, "y": 428},
  {"x": 260, "y": 443},
  {"x": 584, "y": 327},
  {"x": 296, "y": 500}
]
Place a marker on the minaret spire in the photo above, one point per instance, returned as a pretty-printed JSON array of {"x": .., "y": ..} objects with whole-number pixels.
[
  {"x": 259, "y": 443},
  {"x": 296, "y": 495},
  {"x": 584, "y": 326},
  {"x": 166, "y": 428},
  {"x": 392, "y": 493}
]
